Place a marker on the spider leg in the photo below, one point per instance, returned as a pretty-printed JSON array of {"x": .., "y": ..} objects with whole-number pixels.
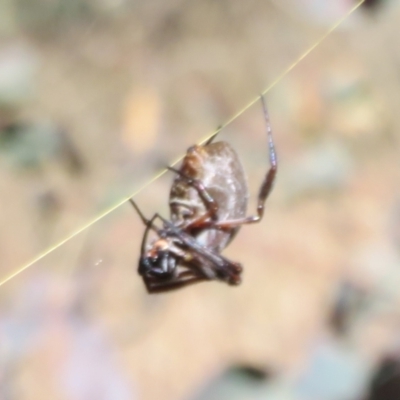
[
  {"x": 214, "y": 266},
  {"x": 210, "y": 204},
  {"x": 269, "y": 179},
  {"x": 149, "y": 225},
  {"x": 200, "y": 258},
  {"x": 188, "y": 277},
  {"x": 213, "y": 136},
  {"x": 195, "y": 256},
  {"x": 265, "y": 188},
  {"x": 148, "y": 222},
  {"x": 183, "y": 279},
  {"x": 199, "y": 263}
]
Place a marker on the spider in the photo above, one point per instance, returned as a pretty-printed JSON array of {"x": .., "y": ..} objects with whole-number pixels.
[{"x": 208, "y": 203}]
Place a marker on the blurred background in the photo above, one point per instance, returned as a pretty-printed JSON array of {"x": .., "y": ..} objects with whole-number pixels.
[{"x": 96, "y": 96}]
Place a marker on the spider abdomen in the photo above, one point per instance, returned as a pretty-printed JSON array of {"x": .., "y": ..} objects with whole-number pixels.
[{"x": 218, "y": 168}]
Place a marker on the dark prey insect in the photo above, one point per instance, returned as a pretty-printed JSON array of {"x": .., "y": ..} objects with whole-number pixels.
[{"x": 208, "y": 203}]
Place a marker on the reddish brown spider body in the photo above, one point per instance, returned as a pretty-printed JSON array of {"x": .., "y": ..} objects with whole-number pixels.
[{"x": 208, "y": 203}]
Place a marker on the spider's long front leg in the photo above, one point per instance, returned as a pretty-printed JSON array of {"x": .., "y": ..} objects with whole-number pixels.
[
  {"x": 264, "y": 192},
  {"x": 269, "y": 179}
]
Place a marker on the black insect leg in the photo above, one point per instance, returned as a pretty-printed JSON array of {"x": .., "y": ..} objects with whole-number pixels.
[
  {"x": 214, "y": 266},
  {"x": 233, "y": 266},
  {"x": 201, "y": 260},
  {"x": 201, "y": 263},
  {"x": 147, "y": 222},
  {"x": 149, "y": 225},
  {"x": 183, "y": 279},
  {"x": 194, "y": 275}
]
